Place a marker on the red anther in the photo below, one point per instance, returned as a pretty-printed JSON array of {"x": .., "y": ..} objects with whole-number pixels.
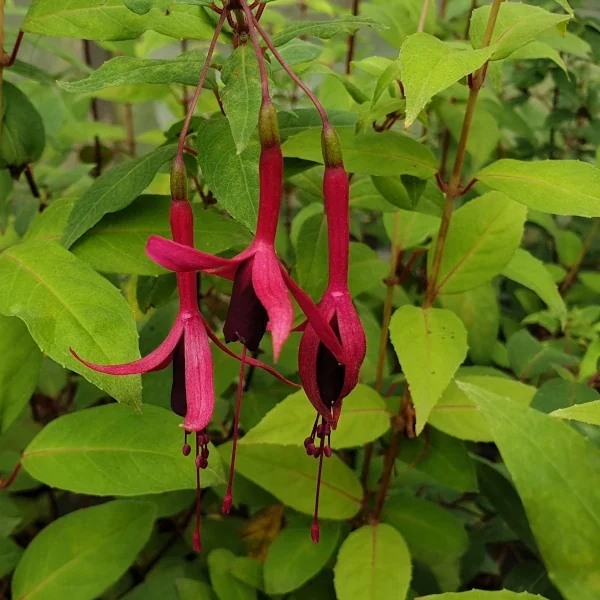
[
  {"x": 317, "y": 452},
  {"x": 201, "y": 462},
  {"x": 320, "y": 431},
  {"x": 314, "y": 532},
  {"x": 186, "y": 449},
  {"x": 227, "y": 502},
  {"x": 310, "y": 449},
  {"x": 205, "y": 452},
  {"x": 327, "y": 451},
  {"x": 308, "y": 441}
]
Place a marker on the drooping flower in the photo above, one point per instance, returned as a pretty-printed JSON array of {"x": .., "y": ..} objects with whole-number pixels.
[
  {"x": 326, "y": 381},
  {"x": 186, "y": 345}
]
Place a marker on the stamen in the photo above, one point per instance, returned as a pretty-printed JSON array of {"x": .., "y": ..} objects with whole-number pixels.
[
  {"x": 228, "y": 499},
  {"x": 314, "y": 530},
  {"x": 309, "y": 442},
  {"x": 196, "y": 537},
  {"x": 186, "y": 447}
]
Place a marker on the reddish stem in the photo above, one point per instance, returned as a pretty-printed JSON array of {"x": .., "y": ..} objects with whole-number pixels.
[
  {"x": 15, "y": 50},
  {"x": 198, "y": 90},
  {"x": 227, "y": 501},
  {"x": 5, "y": 484}
]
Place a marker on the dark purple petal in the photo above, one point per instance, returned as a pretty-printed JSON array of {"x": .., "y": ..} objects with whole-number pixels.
[
  {"x": 246, "y": 320},
  {"x": 330, "y": 373}
]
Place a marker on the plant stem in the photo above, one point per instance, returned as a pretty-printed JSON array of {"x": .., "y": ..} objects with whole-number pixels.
[
  {"x": 476, "y": 82},
  {"x": 87, "y": 51},
  {"x": 572, "y": 274},
  {"x": 184, "y": 98},
  {"x": 390, "y": 456},
  {"x": 130, "y": 129},
  {"x": 423, "y": 16},
  {"x": 352, "y": 38}
]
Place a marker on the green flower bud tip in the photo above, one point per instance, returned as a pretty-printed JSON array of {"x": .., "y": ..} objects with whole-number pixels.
[
  {"x": 268, "y": 129},
  {"x": 178, "y": 180},
  {"x": 332, "y": 147}
]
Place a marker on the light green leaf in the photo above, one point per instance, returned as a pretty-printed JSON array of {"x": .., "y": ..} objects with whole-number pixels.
[
  {"x": 221, "y": 563},
  {"x": 192, "y": 589},
  {"x": 373, "y": 563},
  {"x": 293, "y": 558},
  {"x": 112, "y": 20},
  {"x": 126, "y": 70},
  {"x": 64, "y": 304},
  {"x": 457, "y": 416},
  {"x": 478, "y": 310},
  {"x": 560, "y": 187},
  {"x": 565, "y": 5},
  {"x": 479, "y": 595},
  {"x": 113, "y": 191},
  {"x": 391, "y": 73},
  {"x": 530, "y": 272},
  {"x": 232, "y": 177},
  {"x": 536, "y": 50},
  {"x": 296, "y": 52},
  {"x": 413, "y": 227},
  {"x": 482, "y": 238},
  {"x": 549, "y": 479},
  {"x": 433, "y": 534},
  {"x": 387, "y": 153},
  {"x": 117, "y": 243},
  {"x": 112, "y": 450},
  {"x": 19, "y": 369},
  {"x": 241, "y": 95},
  {"x": 586, "y": 413},
  {"x": 365, "y": 417},
  {"x": 84, "y": 552},
  {"x": 291, "y": 476},
  {"x": 324, "y": 29},
  {"x": 303, "y": 119},
  {"x": 431, "y": 344},
  {"x": 430, "y": 66},
  {"x": 517, "y": 25}
]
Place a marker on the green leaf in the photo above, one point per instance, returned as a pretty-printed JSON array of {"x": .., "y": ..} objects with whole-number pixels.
[
  {"x": 530, "y": 272},
  {"x": 191, "y": 589},
  {"x": 232, "y": 177},
  {"x": 585, "y": 413},
  {"x": 431, "y": 344},
  {"x": 560, "y": 187},
  {"x": 391, "y": 73},
  {"x": 560, "y": 490},
  {"x": 324, "y": 29},
  {"x": 482, "y": 238},
  {"x": 479, "y": 595},
  {"x": 438, "y": 460},
  {"x": 387, "y": 153},
  {"x": 495, "y": 485},
  {"x": 536, "y": 50},
  {"x": 434, "y": 535},
  {"x": 365, "y": 417},
  {"x": 241, "y": 95},
  {"x": 114, "y": 451},
  {"x": 23, "y": 136},
  {"x": 517, "y": 25},
  {"x": 303, "y": 119},
  {"x": 478, "y": 310},
  {"x": 529, "y": 358},
  {"x": 64, "y": 304},
  {"x": 430, "y": 66},
  {"x": 19, "y": 369},
  {"x": 373, "y": 562},
  {"x": 117, "y": 243},
  {"x": 291, "y": 476},
  {"x": 411, "y": 228},
  {"x": 10, "y": 554},
  {"x": 221, "y": 563},
  {"x": 457, "y": 416},
  {"x": 127, "y": 70},
  {"x": 112, "y": 20},
  {"x": 85, "y": 551},
  {"x": 293, "y": 558},
  {"x": 113, "y": 191},
  {"x": 296, "y": 52}
]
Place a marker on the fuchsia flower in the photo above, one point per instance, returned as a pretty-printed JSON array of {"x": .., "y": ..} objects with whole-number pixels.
[
  {"x": 192, "y": 392},
  {"x": 326, "y": 381}
]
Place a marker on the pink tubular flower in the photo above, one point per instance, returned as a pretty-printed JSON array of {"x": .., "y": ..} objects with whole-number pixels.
[
  {"x": 192, "y": 392},
  {"x": 260, "y": 282},
  {"x": 326, "y": 381}
]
